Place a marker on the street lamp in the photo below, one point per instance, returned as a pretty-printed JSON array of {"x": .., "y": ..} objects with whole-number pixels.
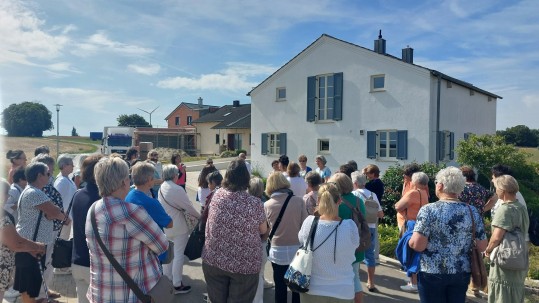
[
  {"x": 57, "y": 129},
  {"x": 150, "y": 113}
]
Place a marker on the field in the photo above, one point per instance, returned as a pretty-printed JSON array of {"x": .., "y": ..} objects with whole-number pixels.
[{"x": 533, "y": 151}]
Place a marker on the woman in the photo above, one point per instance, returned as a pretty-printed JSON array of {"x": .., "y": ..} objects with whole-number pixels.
[
  {"x": 231, "y": 256},
  {"x": 131, "y": 155},
  {"x": 304, "y": 169},
  {"x": 335, "y": 242},
  {"x": 506, "y": 285},
  {"x": 322, "y": 169},
  {"x": 15, "y": 190},
  {"x": 121, "y": 224},
  {"x": 35, "y": 207},
  {"x": 375, "y": 184},
  {"x": 284, "y": 243},
  {"x": 297, "y": 183},
  {"x": 408, "y": 207},
  {"x": 345, "y": 186},
  {"x": 65, "y": 186},
  {"x": 311, "y": 198},
  {"x": 17, "y": 159},
  {"x": 176, "y": 159},
  {"x": 443, "y": 232},
  {"x": 474, "y": 193},
  {"x": 274, "y": 167},
  {"x": 214, "y": 183},
  {"x": 175, "y": 200},
  {"x": 203, "y": 189}
]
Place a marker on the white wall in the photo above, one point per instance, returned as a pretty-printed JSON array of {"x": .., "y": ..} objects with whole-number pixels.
[{"x": 206, "y": 138}]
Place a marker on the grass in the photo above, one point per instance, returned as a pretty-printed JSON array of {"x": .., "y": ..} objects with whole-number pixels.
[{"x": 534, "y": 153}]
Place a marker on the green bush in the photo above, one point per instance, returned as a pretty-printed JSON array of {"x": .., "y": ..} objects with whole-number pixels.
[
  {"x": 228, "y": 154},
  {"x": 533, "y": 272},
  {"x": 389, "y": 238}
]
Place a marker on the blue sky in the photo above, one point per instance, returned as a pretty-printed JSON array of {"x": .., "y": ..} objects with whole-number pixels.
[{"x": 100, "y": 59}]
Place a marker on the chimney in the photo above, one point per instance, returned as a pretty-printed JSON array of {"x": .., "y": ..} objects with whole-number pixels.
[
  {"x": 380, "y": 44},
  {"x": 236, "y": 103},
  {"x": 408, "y": 54},
  {"x": 200, "y": 101}
]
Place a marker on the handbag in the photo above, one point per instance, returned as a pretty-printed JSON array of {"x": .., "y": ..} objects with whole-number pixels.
[
  {"x": 512, "y": 253},
  {"x": 277, "y": 222},
  {"x": 195, "y": 244},
  {"x": 163, "y": 291},
  {"x": 477, "y": 266},
  {"x": 63, "y": 249},
  {"x": 190, "y": 220},
  {"x": 24, "y": 259}
]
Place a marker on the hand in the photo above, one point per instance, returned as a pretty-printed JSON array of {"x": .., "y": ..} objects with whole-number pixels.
[
  {"x": 41, "y": 249},
  {"x": 67, "y": 221}
]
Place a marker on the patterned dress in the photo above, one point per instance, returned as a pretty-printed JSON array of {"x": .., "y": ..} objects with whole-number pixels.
[
  {"x": 7, "y": 257},
  {"x": 475, "y": 195}
]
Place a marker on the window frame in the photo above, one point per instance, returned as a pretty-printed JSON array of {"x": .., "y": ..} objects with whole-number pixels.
[
  {"x": 373, "y": 80},
  {"x": 277, "y": 95},
  {"x": 276, "y": 149},
  {"x": 388, "y": 139},
  {"x": 189, "y": 120},
  {"x": 319, "y": 148},
  {"x": 177, "y": 121},
  {"x": 327, "y": 96},
  {"x": 217, "y": 139}
]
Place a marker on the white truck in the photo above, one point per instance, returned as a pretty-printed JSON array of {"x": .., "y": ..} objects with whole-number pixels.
[{"x": 117, "y": 139}]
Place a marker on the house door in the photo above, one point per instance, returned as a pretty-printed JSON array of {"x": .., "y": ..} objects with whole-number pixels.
[{"x": 231, "y": 142}]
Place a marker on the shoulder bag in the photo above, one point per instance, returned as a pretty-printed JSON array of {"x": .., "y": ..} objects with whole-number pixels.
[
  {"x": 163, "y": 291},
  {"x": 190, "y": 220},
  {"x": 277, "y": 222},
  {"x": 362, "y": 226},
  {"x": 477, "y": 266},
  {"x": 63, "y": 249}
]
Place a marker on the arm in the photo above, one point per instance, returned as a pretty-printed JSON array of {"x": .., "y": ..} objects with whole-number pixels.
[
  {"x": 142, "y": 227},
  {"x": 380, "y": 211},
  {"x": 180, "y": 199},
  {"x": 16, "y": 243},
  {"x": 418, "y": 242},
  {"x": 402, "y": 204},
  {"x": 53, "y": 212},
  {"x": 490, "y": 203},
  {"x": 495, "y": 239}
]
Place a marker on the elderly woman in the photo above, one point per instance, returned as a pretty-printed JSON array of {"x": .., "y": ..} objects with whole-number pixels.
[
  {"x": 506, "y": 285},
  {"x": 332, "y": 271},
  {"x": 231, "y": 255},
  {"x": 36, "y": 212},
  {"x": 121, "y": 224},
  {"x": 203, "y": 190},
  {"x": 284, "y": 243},
  {"x": 18, "y": 159},
  {"x": 304, "y": 169},
  {"x": 408, "y": 207},
  {"x": 65, "y": 186},
  {"x": 175, "y": 201},
  {"x": 322, "y": 169},
  {"x": 297, "y": 183},
  {"x": 474, "y": 193},
  {"x": 311, "y": 198},
  {"x": 443, "y": 233}
]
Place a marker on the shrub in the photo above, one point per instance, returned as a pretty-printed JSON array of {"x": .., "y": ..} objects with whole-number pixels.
[
  {"x": 389, "y": 238},
  {"x": 228, "y": 154},
  {"x": 533, "y": 272}
]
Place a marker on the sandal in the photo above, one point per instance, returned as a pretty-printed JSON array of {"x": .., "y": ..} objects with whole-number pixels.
[
  {"x": 54, "y": 294},
  {"x": 372, "y": 289}
]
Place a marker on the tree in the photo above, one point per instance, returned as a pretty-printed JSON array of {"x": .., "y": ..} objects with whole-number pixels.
[
  {"x": 74, "y": 132},
  {"x": 27, "y": 119},
  {"x": 133, "y": 120},
  {"x": 520, "y": 135}
]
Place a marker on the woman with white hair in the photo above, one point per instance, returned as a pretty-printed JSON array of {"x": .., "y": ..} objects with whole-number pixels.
[
  {"x": 67, "y": 188},
  {"x": 322, "y": 169},
  {"x": 443, "y": 233},
  {"x": 175, "y": 201}
]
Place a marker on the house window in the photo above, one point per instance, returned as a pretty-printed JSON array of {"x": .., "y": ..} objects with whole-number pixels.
[
  {"x": 177, "y": 121},
  {"x": 324, "y": 97},
  {"x": 446, "y": 145},
  {"x": 281, "y": 94},
  {"x": 387, "y": 144},
  {"x": 273, "y": 144},
  {"x": 378, "y": 83},
  {"x": 323, "y": 146},
  {"x": 189, "y": 120},
  {"x": 216, "y": 138}
]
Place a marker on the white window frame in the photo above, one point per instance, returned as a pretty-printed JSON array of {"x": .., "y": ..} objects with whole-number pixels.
[
  {"x": 446, "y": 148},
  {"x": 278, "y": 98},
  {"x": 378, "y": 89},
  {"x": 384, "y": 136},
  {"x": 274, "y": 145},
  {"x": 322, "y": 103},
  {"x": 189, "y": 120},
  {"x": 319, "y": 146}
]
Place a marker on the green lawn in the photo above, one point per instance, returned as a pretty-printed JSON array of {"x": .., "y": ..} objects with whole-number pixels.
[{"x": 533, "y": 151}]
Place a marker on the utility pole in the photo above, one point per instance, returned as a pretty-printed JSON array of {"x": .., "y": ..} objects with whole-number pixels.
[
  {"x": 57, "y": 129},
  {"x": 150, "y": 113}
]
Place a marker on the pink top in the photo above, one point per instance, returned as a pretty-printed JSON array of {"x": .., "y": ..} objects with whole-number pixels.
[{"x": 181, "y": 180}]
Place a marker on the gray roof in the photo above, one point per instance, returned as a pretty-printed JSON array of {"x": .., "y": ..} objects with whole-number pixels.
[
  {"x": 193, "y": 106},
  {"x": 229, "y": 117}
]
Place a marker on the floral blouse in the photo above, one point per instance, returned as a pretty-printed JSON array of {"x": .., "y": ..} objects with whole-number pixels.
[
  {"x": 7, "y": 257},
  {"x": 475, "y": 195},
  {"x": 448, "y": 227}
]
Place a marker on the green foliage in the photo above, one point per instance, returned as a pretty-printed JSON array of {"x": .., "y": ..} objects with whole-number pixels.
[
  {"x": 533, "y": 272},
  {"x": 74, "y": 132},
  {"x": 520, "y": 135},
  {"x": 389, "y": 238},
  {"x": 133, "y": 120},
  {"x": 27, "y": 119},
  {"x": 228, "y": 154}
]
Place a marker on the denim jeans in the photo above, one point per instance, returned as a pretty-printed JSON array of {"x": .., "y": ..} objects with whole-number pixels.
[{"x": 443, "y": 288}]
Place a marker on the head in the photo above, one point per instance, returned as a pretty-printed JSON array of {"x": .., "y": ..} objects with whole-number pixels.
[
  {"x": 242, "y": 156},
  {"x": 65, "y": 163},
  {"x": 87, "y": 169},
  {"x": 344, "y": 183},
  {"x": 214, "y": 179},
  {"x": 500, "y": 170},
  {"x": 237, "y": 176},
  {"x": 16, "y": 157},
  {"x": 293, "y": 170},
  {"x": 353, "y": 163},
  {"x": 283, "y": 163},
  {"x": 132, "y": 154},
  {"x": 468, "y": 173},
  {"x": 506, "y": 185},
  {"x": 313, "y": 180},
  {"x": 37, "y": 174},
  {"x": 47, "y": 159},
  {"x": 302, "y": 160},
  {"x": 372, "y": 171},
  {"x": 275, "y": 182},
  {"x": 329, "y": 199},
  {"x": 142, "y": 173},
  {"x": 358, "y": 179},
  {"x": 170, "y": 172},
  {"x": 209, "y": 161},
  {"x": 256, "y": 187},
  {"x": 43, "y": 149},
  {"x": 275, "y": 165},
  {"x": 153, "y": 155},
  {"x": 450, "y": 181},
  {"x": 175, "y": 159},
  {"x": 409, "y": 170},
  {"x": 112, "y": 177},
  {"x": 420, "y": 179},
  {"x": 320, "y": 161},
  {"x": 202, "y": 182},
  {"x": 19, "y": 177},
  {"x": 347, "y": 169}
]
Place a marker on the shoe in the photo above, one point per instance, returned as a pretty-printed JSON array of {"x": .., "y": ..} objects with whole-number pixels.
[
  {"x": 11, "y": 293},
  {"x": 54, "y": 294},
  {"x": 409, "y": 288},
  {"x": 62, "y": 271},
  {"x": 372, "y": 288},
  {"x": 182, "y": 289},
  {"x": 268, "y": 284}
]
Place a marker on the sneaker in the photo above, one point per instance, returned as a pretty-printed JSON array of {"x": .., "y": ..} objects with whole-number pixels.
[
  {"x": 182, "y": 289},
  {"x": 11, "y": 293},
  {"x": 409, "y": 288},
  {"x": 268, "y": 284},
  {"x": 62, "y": 271}
]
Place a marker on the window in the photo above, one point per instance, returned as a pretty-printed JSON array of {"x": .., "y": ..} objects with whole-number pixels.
[
  {"x": 281, "y": 94},
  {"x": 323, "y": 146},
  {"x": 216, "y": 138},
  {"x": 446, "y": 145},
  {"x": 189, "y": 120},
  {"x": 177, "y": 121},
  {"x": 324, "y": 97},
  {"x": 387, "y": 144},
  {"x": 378, "y": 83},
  {"x": 273, "y": 144}
]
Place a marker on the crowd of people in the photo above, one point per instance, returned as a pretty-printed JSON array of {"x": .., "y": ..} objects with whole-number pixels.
[{"x": 140, "y": 210}]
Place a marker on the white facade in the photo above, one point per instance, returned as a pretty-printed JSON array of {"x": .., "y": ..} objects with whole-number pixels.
[{"x": 407, "y": 102}]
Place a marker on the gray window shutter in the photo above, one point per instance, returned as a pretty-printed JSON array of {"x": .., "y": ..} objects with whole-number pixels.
[
  {"x": 311, "y": 98},
  {"x": 371, "y": 144},
  {"x": 402, "y": 144},
  {"x": 264, "y": 144},
  {"x": 337, "y": 96},
  {"x": 441, "y": 145},
  {"x": 451, "y": 146},
  {"x": 282, "y": 142}
]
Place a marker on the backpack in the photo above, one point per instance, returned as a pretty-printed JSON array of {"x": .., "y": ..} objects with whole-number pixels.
[
  {"x": 533, "y": 229},
  {"x": 362, "y": 226},
  {"x": 371, "y": 208}
]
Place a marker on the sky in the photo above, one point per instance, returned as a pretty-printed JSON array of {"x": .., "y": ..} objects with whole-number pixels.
[{"x": 100, "y": 59}]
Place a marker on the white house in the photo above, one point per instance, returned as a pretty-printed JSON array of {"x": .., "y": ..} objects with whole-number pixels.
[{"x": 348, "y": 102}]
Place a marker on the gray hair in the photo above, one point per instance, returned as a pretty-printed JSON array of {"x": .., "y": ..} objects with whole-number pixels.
[
  {"x": 322, "y": 158},
  {"x": 63, "y": 160},
  {"x": 169, "y": 172},
  {"x": 359, "y": 179},
  {"x": 256, "y": 187},
  {"x": 110, "y": 173},
  {"x": 452, "y": 179},
  {"x": 420, "y": 178},
  {"x": 44, "y": 158},
  {"x": 142, "y": 173},
  {"x": 33, "y": 170}
]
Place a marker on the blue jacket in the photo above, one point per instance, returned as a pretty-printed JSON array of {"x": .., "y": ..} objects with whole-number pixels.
[{"x": 408, "y": 257}]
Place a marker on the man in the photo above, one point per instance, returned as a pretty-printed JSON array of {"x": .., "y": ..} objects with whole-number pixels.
[
  {"x": 243, "y": 156},
  {"x": 153, "y": 158},
  {"x": 376, "y": 186}
]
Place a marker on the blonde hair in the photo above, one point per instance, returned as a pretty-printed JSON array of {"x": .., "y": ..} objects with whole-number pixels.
[
  {"x": 328, "y": 198},
  {"x": 344, "y": 183},
  {"x": 275, "y": 182},
  {"x": 256, "y": 187},
  {"x": 506, "y": 183}
]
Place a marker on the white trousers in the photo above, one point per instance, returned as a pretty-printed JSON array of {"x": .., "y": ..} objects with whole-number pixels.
[
  {"x": 174, "y": 270},
  {"x": 259, "y": 297},
  {"x": 81, "y": 275},
  {"x": 47, "y": 275}
]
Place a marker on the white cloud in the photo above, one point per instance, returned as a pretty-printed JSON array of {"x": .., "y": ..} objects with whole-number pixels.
[
  {"x": 148, "y": 69},
  {"x": 101, "y": 42}
]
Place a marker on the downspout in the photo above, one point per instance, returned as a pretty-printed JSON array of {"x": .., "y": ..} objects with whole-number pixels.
[{"x": 438, "y": 115}]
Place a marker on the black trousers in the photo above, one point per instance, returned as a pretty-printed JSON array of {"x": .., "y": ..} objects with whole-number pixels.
[{"x": 280, "y": 287}]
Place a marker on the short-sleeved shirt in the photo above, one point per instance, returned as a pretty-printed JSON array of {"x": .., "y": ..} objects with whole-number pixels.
[
  {"x": 232, "y": 232},
  {"x": 28, "y": 215},
  {"x": 475, "y": 195},
  {"x": 346, "y": 213},
  {"x": 66, "y": 188},
  {"x": 510, "y": 216},
  {"x": 324, "y": 173},
  {"x": 448, "y": 228}
]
